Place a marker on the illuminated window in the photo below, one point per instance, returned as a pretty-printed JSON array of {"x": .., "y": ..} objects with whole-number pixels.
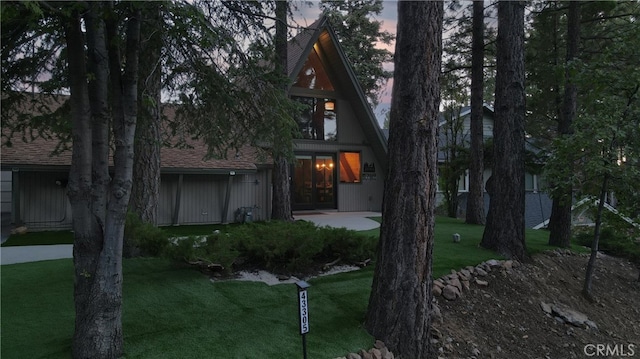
[
  {"x": 350, "y": 167},
  {"x": 318, "y": 119},
  {"x": 313, "y": 75}
]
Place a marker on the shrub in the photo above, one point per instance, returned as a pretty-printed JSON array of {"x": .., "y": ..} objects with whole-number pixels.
[
  {"x": 143, "y": 239},
  {"x": 294, "y": 247},
  {"x": 615, "y": 239}
]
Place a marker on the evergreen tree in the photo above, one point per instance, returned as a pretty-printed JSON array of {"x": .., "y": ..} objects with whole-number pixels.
[
  {"x": 354, "y": 24},
  {"x": 399, "y": 305},
  {"x": 504, "y": 231}
]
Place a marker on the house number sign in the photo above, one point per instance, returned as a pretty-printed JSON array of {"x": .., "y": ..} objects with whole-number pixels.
[
  {"x": 304, "y": 312},
  {"x": 303, "y": 305}
]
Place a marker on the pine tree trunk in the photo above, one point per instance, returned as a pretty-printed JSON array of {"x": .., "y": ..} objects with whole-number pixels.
[
  {"x": 560, "y": 220},
  {"x": 504, "y": 231},
  {"x": 281, "y": 201},
  {"x": 399, "y": 305},
  {"x": 146, "y": 171},
  {"x": 475, "y": 199}
]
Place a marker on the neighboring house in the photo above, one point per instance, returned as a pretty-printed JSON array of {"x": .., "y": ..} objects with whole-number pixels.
[
  {"x": 340, "y": 163},
  {"x": 537, "y": 202}
]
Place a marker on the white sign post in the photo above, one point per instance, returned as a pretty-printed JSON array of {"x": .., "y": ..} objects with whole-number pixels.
[{"x": 303, "y": 313}]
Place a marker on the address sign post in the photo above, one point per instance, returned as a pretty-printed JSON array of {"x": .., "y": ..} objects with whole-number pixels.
[{"x": 303, "y": 313}]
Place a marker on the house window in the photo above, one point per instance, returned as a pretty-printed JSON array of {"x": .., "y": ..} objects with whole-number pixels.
[
  {"x": 318, "y": 119},
  {"x": 313, "y": 74},
  {"x": 530, "y": 182},
  {"x": 350, "y": 167}
]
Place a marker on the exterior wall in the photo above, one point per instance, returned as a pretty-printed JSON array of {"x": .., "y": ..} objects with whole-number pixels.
[
  {"x": 5, "y": 191},
  {"x": 363, "y": 196},
  {"x": 202, "y": 197},
  {"x": 43, "y": 204}
]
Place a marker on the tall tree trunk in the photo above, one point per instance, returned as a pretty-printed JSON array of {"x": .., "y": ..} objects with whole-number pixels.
[
  {"x": 281, "y": 202},
  {"x": 475, "y": 199},
  {"x": 504, "y": 231},
  {"x": 399, "y": 305},
  {"x": 98, "y": 203},
  {"x": 588, "y": 278},
  {"x": 560, "y": 220},
  {"x": 87, "y": 220},
  {"x": 146, "y": 171}
]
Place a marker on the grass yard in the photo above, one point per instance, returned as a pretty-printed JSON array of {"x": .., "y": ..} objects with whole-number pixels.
[{"x": 175, "y": 312}]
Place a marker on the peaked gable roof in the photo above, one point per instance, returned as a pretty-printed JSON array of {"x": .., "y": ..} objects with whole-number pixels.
[{"x": 321, "y": 33}]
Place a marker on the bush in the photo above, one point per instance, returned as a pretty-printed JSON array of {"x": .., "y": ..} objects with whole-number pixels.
[
  {"x": 292, "y": 247},
  {"x": 143, "y": 239},
  {"x": 615, "y": 239}
]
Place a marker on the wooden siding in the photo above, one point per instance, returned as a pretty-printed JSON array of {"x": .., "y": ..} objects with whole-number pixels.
[
  {"x": 5, "y": 191},
  {"x": 44, "y": 205},
  {"x": 203, "y": 196}
]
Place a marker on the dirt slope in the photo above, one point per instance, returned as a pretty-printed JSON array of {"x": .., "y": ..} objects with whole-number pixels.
[{"x": 505, "y": 319}]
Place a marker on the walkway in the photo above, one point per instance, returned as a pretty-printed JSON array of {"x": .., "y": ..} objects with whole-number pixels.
[{"x": 351, "y": 220}]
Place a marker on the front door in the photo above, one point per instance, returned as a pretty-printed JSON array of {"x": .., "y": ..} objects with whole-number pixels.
[{"x": 314, "y": 179}]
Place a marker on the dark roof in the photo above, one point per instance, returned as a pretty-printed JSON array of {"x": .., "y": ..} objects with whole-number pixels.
[{"x": 38, "y": 154}]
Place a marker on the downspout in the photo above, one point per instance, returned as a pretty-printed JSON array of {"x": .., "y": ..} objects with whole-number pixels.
[
  {"x": 176, "y": 209},
  {"x": 225, "y": 209}
]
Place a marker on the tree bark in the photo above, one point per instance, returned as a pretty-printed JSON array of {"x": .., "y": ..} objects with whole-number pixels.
[
  {"x": 399, "y": 305},
  {"x": 281, "y": 201},
  {"x": 588, "y": 278},
  {"x": 87, "y": 224},
  {"x": 560, "y": 220},
  {"x": 504, "y": 231},
  {"x": 98, "y": 202},
  {"x": 475, "y": 199},
  {"x": 145, "y": 193}
]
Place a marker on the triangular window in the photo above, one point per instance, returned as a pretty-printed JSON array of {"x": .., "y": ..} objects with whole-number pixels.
[{"x": 313, "y": 74}]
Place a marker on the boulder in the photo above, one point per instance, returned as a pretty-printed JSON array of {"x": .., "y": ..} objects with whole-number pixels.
[{"x": 450, "y": 292}]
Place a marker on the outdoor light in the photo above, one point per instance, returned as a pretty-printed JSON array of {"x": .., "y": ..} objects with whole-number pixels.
[
  {"x": 329, "y": 105},
  {"x": 456, "y": 238}
]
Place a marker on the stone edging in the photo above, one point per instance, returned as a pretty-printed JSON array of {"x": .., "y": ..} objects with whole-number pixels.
[{"x": 451, "y": 286}]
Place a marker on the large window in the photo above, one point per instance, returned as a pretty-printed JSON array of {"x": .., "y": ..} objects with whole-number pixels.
[
  {"x": 318, "y": 119},
  {"x": 313, "y": 74},
  {"x": 350, "y": 167}
]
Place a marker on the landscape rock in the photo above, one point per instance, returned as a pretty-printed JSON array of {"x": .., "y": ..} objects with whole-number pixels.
[
  {"x": 465, "y": 274},
  {"x": 569, "y": 316},
  {"x": 353, "y": 356},
  {"x": 365, "y": 355},
  {"x": 482, "y": 283},
  {"x": 437, "y": 291},
  {"x": 545, "y": 307},
  {"x": 481, "y": 272},
  {"x": 450, "y": 292},
  {"x": 438, "y": 283},
  {"x": 456, "y": 283}
]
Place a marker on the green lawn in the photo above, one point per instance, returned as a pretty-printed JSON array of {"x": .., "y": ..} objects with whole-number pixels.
[{"x": 176, "y": 312}]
